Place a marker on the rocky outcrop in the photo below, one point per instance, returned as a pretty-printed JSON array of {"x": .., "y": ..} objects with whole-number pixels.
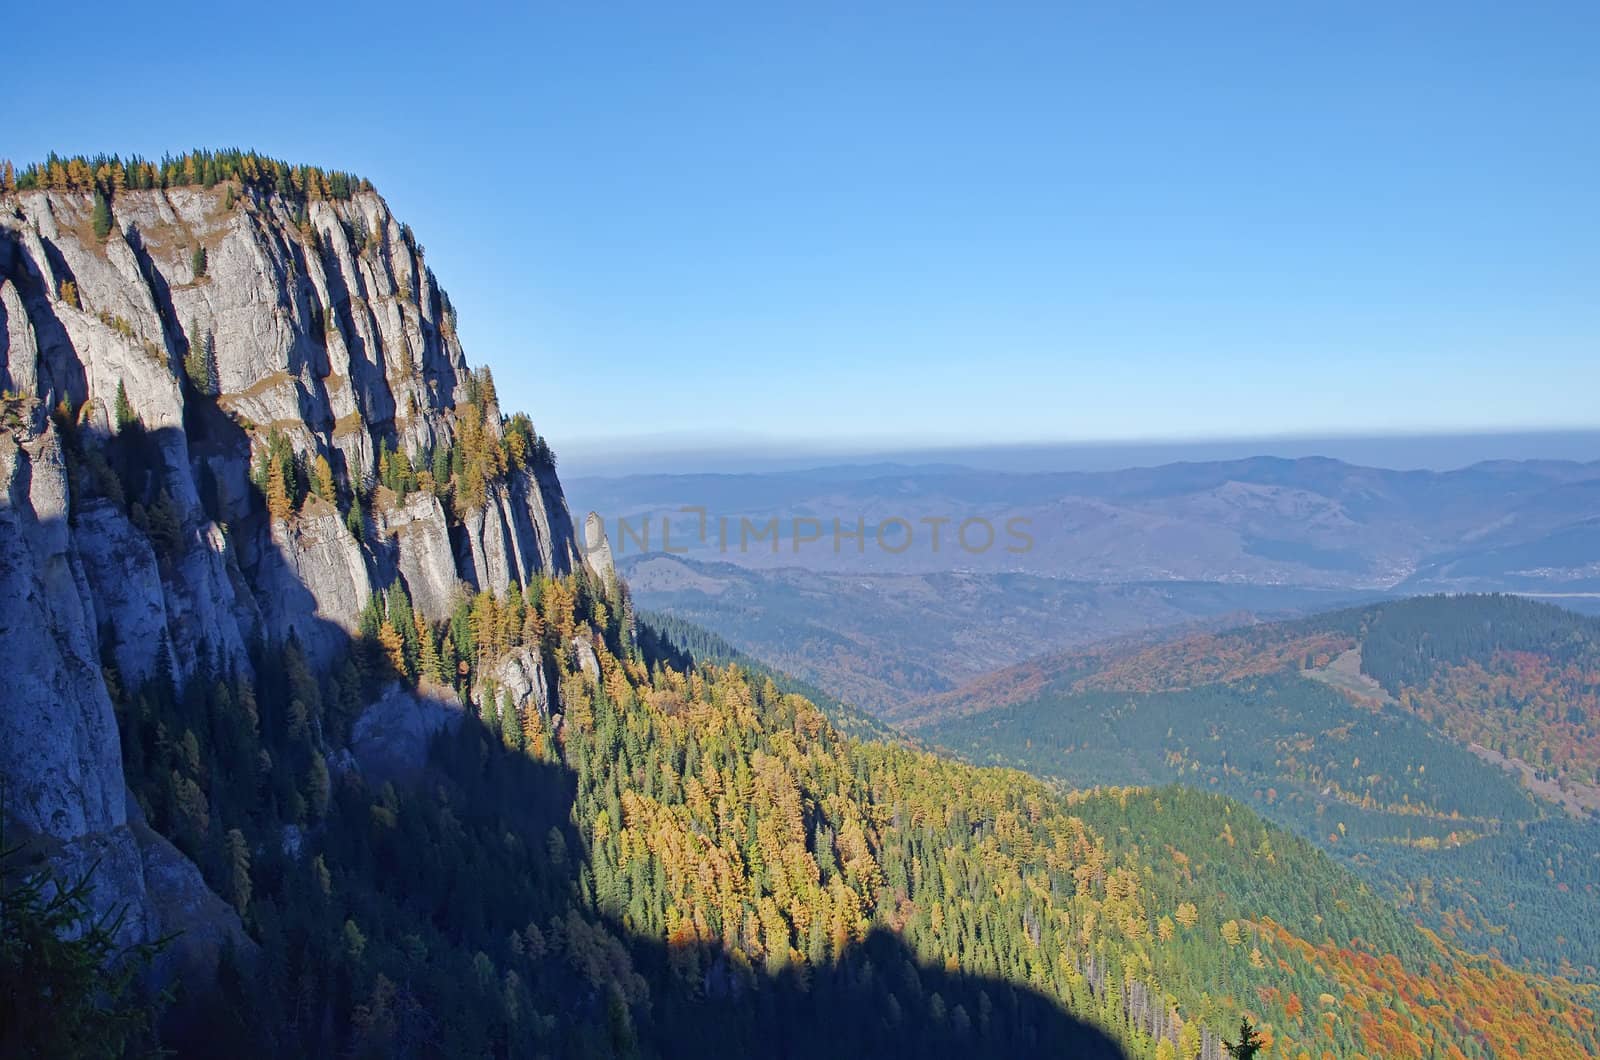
[
  {"x": 125, "y": 584},
  {"x": 421, "y": 540},
  {"x": 211, "y": 611},
  {"x": 597, "y": 548},
  {"x": 522, "y": 674},
  {"x": 58, "y": 737},
  {"x": 312, "y": 322},
  {"x": 588, "y": 661},
  {"x": 313, "y": 580},
  {"x": 323, "y": 323}
]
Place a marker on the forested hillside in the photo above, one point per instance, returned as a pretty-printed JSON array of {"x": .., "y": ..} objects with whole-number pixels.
[
  {"x": 1519, "y": 677},
  {"x": 1400, "y": 772},
  {"x": 677, "y": 849},
  {"x": 683, "y": 644}
]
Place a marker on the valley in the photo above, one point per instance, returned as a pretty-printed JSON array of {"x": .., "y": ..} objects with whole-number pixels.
[{"x": 884, "y": 641}]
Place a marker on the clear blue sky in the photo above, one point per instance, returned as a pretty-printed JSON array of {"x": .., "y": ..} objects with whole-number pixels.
[{"x": 928, "y": 223}]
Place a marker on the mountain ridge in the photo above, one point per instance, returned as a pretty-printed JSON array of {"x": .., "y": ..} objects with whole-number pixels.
[
  {"x": 216, "y": 344},
  {"x": 1265, "y": 520}
]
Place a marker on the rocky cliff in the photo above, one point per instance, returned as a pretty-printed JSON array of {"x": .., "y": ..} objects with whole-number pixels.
[{"x": 157, "y": 377}]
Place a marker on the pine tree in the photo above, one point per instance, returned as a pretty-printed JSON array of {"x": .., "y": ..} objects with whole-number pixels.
[
  {"x": 238, "y": 863},
  {"x": 197, "y": 262},
  {"x": 1249, "y": 1044},
  {"x": 100, "y": 216},
  {"x": 123, "y": 410}
]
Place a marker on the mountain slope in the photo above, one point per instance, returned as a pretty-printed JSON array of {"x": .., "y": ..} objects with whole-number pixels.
[{"x": 1395, "y": 736}]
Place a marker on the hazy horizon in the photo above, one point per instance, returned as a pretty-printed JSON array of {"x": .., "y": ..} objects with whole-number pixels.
[{"x": 1423, "y": 451}]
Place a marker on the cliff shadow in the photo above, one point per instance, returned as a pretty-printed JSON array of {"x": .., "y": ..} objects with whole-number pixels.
[
  {"x": 471, "y": 873},
  {"x": 175, "y": 338},
  {"x": 60, "y": 372}
]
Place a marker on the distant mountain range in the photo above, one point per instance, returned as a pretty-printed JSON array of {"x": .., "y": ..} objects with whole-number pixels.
[
  {"x": 885, "y": 641},
  {"x": 1528, "y": 526}
]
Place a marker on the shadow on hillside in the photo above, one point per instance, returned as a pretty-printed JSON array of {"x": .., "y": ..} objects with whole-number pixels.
[{"x": 878, "y": 999}]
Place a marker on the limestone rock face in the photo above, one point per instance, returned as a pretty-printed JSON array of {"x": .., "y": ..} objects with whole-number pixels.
[
  {"x": 323, "y": 323},
  {"x": 315, "y": 323},
  {"x": 126, "y": 587},
  {"x": 597, "y": 548},
  {"x": 211, "y": 610},
  {"x": 522, "y": 674},
  {"x": 59, "y": 751},
  {"x": 426, "y": 563},
  {"x": 588, "y": 661},
  {"x": 313, "y": 580}
]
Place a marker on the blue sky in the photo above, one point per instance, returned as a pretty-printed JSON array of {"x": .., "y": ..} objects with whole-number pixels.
[{"x": 929, "y": 224}]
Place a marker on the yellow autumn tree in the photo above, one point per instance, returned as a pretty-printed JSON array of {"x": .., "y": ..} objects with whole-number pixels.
[
  {"x": 428, "y": 654},
  {"x": 324, "y": 473},
  {"x": 393, "y": 646},
  {"x": 278, "y": 505}
]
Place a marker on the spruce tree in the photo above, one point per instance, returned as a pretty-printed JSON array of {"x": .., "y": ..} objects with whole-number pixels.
[
  {"x": 200, "y": 364},
  {"x": 510, "y": 724},
  {"x": 123, "y": 410},
  {"x": 1249, "y": 1044},
  {"x": 100, "y": 217}
]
